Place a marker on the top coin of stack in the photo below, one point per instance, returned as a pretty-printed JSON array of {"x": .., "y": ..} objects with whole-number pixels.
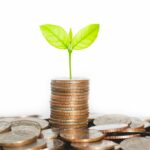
[{"x": 69, "y": 103}]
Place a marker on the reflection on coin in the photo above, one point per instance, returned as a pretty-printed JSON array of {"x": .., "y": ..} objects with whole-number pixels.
[
  {"x": 43, "y": 123},
  {"x": 39, "y": 144},
  {"x": 4, "y": 126},
  {"x": 81, "y": 135},
  {"x": 11, "y": 139},
  {"x": 101, "y": 145},
  {"x": 54, "y": 144},
  {"x": 50, "y": 134},
  {"x": 110, "y": 127},
  {"x": 139, "y": 143},
  {"x": 26, "y": 126},
  {"x": 111, "y": 119}
]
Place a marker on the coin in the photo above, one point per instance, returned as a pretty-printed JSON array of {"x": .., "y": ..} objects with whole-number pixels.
[
  {"x": 81, "y": 135},
  {"x": 139, "y": 143},
  {"x": 69, "y": 98},
  {"x": 26, "y": 126},
  {"x": 4, "y": 126},
  {"x": 100, "y": 145},
  {"x": 8, "y": 119},
  {"x": 69, "y": 109},
  {"x": 49, "y": 134},
  {"x": 72, "y": 82},
  {"x": 110, "y": 127},
  {"x": 54, "y": 144},
  {"x": 146, "y": 124},
  {"x": 110, "y": 119},
  {"x": 121, "y": 137},
  {"x": 39, "y": 144},
  {"x": 137, "y": 125},
  {"x": 43, "y": 123},
  {"x": 11, "y": 139}
]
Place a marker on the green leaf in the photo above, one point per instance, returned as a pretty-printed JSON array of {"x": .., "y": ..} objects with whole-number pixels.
[
  {"x": 70, "y": 35},
  {"x": 55, "y": 35},
  {"x": 85, "y": 37}
]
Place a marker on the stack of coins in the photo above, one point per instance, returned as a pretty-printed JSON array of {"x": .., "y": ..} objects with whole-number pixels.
[{"x": 69, "y": 103}]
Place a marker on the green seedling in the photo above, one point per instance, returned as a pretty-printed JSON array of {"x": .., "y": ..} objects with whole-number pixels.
[{"x": 59, "y": 38}]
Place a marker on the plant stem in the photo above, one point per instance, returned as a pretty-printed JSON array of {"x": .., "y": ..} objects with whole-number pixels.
[{"x": 70, "y": 64}]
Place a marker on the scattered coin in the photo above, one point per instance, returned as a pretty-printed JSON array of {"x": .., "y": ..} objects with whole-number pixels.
[
  {"x": 121, "y": 137},
  {"x": 54, "y": 144},
  {"x": 8, "y": 119},
  {"x": 139, "y": 143},
  {"x": 112, "y": 119},
  {"x": 43, "y": 123},
  {"x": 50, "y": 133},
  {"x": 137, "y": 125},
  {"x": 11, "y": 139},
  {"x": 26, "y": 126},
  {"x": 39, "y": 144},
  {"x": 100, "y": 145},
  {"x": 4, "y": 126},
  {"x": 110, "y": 127},
  {"x": 81, "y": 135}
]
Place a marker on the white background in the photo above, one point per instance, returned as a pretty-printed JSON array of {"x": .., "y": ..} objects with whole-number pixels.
[{"x": 118, "y": 63}]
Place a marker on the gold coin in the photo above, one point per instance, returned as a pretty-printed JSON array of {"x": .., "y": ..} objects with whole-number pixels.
[
  {"x": 26, "y": 126},
  {"x": 54, "y": 144},
  {"x": 109, "y": 128},
  {"x": 100, "y": 145},
  {"x": 4, "y": 126},
  {"x": 121, "y": 137},
  {"x": 68, "y": 108},
  {"x": 70, "y": 94},
  {"x": 39, "y": 144},
  {"x": 49, "y": 134},
  {"x": 69, "y": 117},
  {"x": 72, "y": 97},
  {"x": 69, "y": 114},
  {"x": 70, "y": 82},
  {"x": 68, "y": 104},
  {"x": 69, "y": 90},
  {"x": 43, "y": 123},
  {"x": 69, "y": 120},
  {"x": 56, "y": 125},
  {"x": 70, "y": 101},
  {"x": 81, "y": 135},
  {"x": 59, "y": 87},
  {"x": 11, "y": 139}
]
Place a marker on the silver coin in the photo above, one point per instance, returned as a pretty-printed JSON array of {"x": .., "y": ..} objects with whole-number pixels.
[
  {"x": 139, "y": 143},
  {"x": 4, "y": 126},
  {"x": 26, "y": 126},
  {"x": 112, "y": 119}
]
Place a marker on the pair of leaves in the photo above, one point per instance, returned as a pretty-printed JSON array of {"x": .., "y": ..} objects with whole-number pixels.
[{"x": 58, "y": 37}]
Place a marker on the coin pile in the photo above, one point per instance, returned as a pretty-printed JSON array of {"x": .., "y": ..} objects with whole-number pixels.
[
  {"x": 119, "y": 127},
  {"x": 28, "y": 133},
  {"x": 69, "y": 103}
]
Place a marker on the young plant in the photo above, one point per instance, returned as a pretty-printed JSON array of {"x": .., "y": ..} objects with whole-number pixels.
[{"x": 59, "y": 38}]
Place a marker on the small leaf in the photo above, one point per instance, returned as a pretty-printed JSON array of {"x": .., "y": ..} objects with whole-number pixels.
[
  {"x": 85, "y": 37},
  {"x": 55, "y": 35}
]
